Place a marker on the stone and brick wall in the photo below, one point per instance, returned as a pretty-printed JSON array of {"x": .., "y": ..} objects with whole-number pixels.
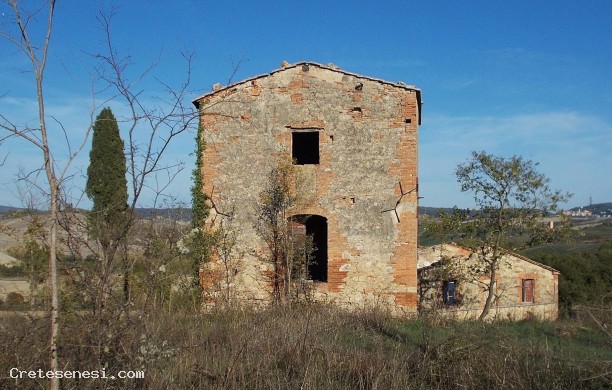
[{"x": 368, "y": 146}]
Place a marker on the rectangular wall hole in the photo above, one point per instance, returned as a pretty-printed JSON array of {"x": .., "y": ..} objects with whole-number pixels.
[
  {"x": 356, "y": 112},
  {"x": 305, "y": 147}
]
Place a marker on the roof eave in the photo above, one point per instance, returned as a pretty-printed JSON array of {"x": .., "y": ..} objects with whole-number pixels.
[{"x": 507, "y": 252}]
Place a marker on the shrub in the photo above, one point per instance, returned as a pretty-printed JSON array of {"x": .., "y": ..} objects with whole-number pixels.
[
  {"x": 14, "y": 299},
  {"x": 12, "y": 271}
]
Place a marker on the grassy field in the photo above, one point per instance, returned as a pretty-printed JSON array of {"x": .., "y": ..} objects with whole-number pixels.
[{"x": 320, "y": 347}]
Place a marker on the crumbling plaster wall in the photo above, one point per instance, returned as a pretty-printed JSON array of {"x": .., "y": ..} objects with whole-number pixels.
[{"x": 368, "y": 145}]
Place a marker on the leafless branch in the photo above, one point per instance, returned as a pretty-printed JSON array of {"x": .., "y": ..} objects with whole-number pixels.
[
  {"x": 235, "y": 68},
  {"x": 161, "y": 124},
  {"x": 25, "y": 133}
]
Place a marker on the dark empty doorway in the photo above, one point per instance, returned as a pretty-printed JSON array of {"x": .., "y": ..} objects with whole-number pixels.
[{"x": 315, "y": 227}]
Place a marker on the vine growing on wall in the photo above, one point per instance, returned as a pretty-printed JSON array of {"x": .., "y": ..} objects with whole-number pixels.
[
  {"x": 200, "y": 242},
  {"x": 199, "y": 211}
]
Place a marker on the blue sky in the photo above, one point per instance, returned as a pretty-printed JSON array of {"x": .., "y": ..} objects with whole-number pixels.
[{"x": 530, "y": 78}]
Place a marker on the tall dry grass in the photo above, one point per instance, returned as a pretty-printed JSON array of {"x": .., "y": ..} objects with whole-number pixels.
[{"x": 315, "y": 347}]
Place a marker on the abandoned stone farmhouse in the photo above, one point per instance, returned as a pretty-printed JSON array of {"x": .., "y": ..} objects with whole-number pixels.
[
  {"x": 351, "y": 141},
  {"x": 448, "y": 286}
]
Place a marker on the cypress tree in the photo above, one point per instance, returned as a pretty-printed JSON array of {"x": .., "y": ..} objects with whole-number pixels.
[{"x": 106, "y": 182}]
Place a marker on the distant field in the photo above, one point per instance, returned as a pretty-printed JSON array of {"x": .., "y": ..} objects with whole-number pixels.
[{"x": 587, "y": 238}]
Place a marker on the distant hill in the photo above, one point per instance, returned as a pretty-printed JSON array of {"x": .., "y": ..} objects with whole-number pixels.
[
  {"x": 184, "y": 214},
  {"x": 597, "y": 209},
  {"x": 433, "y": 211},
  {"x": 178, "y": 214},
  {"x": 8, "y": 209},
  {"x": 601, "y": 209}
]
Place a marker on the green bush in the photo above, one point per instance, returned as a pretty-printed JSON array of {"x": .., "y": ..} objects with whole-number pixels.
[
  {"x": 14, "y": 299},
  {"x": 586, "y": 278},
  {"x": 12, "y": 272}
]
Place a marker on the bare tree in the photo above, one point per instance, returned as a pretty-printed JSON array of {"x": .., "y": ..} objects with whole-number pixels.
[
  {"x": 224, "y": 246},
  {"x": 272, "y": 226},
  {"x": 39, "y": 137},
  {"x": 150, "y": 129},
  {"x": 512, "y": 197},
  {"x": 289, "y": 253}
]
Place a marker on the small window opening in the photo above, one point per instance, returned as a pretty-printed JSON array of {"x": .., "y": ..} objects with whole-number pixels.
[
  {"x": 305, "y": 147},
  {"x": 448, "y": 292},
  {"x": 527, "y": 291},
  {"x": 408, "y": 120}
]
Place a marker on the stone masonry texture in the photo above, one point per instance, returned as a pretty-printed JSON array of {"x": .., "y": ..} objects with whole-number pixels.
[{"x": 365, "y": 183}]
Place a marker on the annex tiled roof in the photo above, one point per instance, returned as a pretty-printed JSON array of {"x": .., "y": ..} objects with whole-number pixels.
[{"x": 428, "y": 263}]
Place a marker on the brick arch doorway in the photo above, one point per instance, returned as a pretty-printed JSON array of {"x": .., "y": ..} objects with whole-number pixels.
[{"x": 315, "y": 226}]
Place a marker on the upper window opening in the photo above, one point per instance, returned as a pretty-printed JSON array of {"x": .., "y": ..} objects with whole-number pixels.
[{"x": 305, "y": 147}]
